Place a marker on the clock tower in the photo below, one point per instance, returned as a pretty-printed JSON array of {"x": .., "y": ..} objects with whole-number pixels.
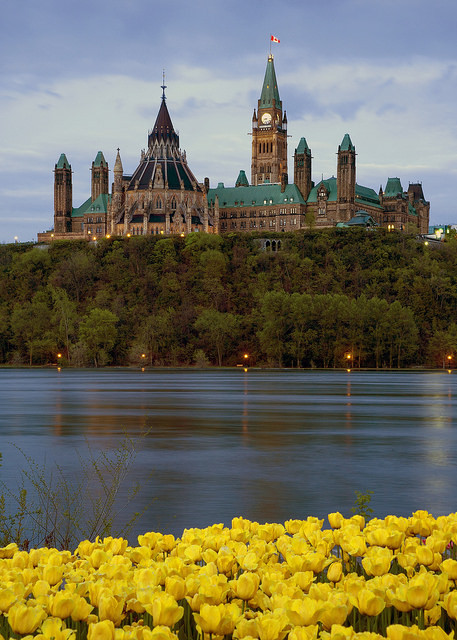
[{"x": 269, "y": 133}]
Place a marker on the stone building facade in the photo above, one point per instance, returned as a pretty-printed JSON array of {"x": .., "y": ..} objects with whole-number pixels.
[
  {"x": 272, "y": 203},
  {"x": 162, "y": 196}
]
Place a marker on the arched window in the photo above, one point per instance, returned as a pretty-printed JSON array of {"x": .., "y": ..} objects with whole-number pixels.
[
  {"x": 173, "y": 203},
  {"x": 158, "y": 203}
]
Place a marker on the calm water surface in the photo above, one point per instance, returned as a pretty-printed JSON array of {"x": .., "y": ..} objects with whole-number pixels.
[{"x": 268, "y": 445}]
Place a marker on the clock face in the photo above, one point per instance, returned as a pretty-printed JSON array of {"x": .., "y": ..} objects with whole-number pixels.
[{"x": 266, "y": 118}]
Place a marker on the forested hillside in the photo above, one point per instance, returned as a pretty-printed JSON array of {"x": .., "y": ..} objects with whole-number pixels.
[{"x": 328, "y": 298}]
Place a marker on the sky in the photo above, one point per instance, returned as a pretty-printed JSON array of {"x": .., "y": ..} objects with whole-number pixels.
[{"x": 80, "y": 76}]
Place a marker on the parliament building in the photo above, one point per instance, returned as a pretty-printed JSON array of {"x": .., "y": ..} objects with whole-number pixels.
[{"x": 162, "y": 195}]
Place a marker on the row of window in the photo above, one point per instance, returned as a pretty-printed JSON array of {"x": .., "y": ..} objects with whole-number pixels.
[
  {"x": 283, "y": 222},
  {"x": 265, "y": 147},
  {"x": 262, "y": 214}
]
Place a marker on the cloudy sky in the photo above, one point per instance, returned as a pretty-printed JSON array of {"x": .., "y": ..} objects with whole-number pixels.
[{"x": 84, "y": 75}]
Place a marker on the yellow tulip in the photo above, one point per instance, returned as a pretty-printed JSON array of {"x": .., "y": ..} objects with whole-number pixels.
[
  {"x": 335, "y": 572},
  {"x": 424, "y": 555},
  {"x": 431, "y": 616},
  {"x": 450, "y": 604},
  {"x": 272, "y": 626},
  {"x": 25, "y": 619},
  {"x": 51, "y": 629},
  {"x": 304, "y": 612},
  {"x": 315, "y": 562},
  {"x": 368, "y": 603},
  {"x": 116, "y": 546},
  {"x": 377, "y": 563},
  {"x": 111, "y": 608},
  {"x": 103, "y": 630},
  {"x": 61, "y": 604},
  {"x": 400, "y": 632},
  {"x": 166, "y": 543},
  {"x": 225, "y": 560},
  {"x": 245, "y": 587},
  {"x": 354, "y": 545},
  {"x": 449, "y": 566},
  {"x": 230, "y": 616},
  {"x": 303, "y": 580},
  {"x": 333, "y": 613},
  {"x": 176, "y": 587},
  {"x": 7, "y": 598},
  {"x": 304, "y": 633},
  {"x": 9, "y": 550},
  {"x": 336, "y": 520},
  {"x": 81, "y": 609},
  {"x": 209, "y": 618},
  {"x": 52, "y": 574},
  {"x": 398, "y": 598},
  {"x": 436, "y": 633},
  {"x": 164, "y": 610},
  {"x": 158, "y": 633},
  {"x": 245, "y": 628}
]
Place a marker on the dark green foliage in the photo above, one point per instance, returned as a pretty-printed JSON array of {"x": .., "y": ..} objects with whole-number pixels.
[{"x": 384, "y": 300}]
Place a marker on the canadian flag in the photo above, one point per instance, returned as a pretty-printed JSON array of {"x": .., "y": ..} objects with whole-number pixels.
[{"x": 273, "y": 39}]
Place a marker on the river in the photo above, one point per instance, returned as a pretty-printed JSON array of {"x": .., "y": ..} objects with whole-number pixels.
[{"x": 267, "y": 445}]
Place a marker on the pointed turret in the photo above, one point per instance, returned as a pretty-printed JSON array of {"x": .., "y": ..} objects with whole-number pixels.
[
  {"x": 63, "y": 195},
  {"x": 269, "y": 133},
  {"x": 270, "y": 94},
  {"x": 346, "y": 144},
  {"x": 242, "y": 180},
  {"x": 100, "y": 174},
  {"x": 163, "y": 141},
  {"x": 346, "y": 179},
  {"x": 302, "y": 168},
  {"x": 118, "y": 168}
]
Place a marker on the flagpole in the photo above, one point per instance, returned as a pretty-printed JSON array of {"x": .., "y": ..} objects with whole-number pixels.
[{"x": 270, "y": 43}]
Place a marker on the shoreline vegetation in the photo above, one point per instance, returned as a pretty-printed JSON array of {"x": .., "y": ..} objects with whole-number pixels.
[
  {"x": 361, "y": 578},
  {"x": 328, "y": 299}
]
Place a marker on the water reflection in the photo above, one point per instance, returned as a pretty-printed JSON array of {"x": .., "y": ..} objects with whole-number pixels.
[{"x": 262, "y": 444}]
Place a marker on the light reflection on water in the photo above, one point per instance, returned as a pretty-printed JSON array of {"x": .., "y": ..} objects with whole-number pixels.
[{"x": 268, "y": 445}]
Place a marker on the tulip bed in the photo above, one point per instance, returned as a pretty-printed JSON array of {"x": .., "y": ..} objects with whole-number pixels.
[{"x": 393, "y": 578}]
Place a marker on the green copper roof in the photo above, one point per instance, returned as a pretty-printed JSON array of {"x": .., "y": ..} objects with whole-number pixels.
[
  {"x": 63, "y": 162},
  {"x": 242, "y": 180},
  {"x": 365, "y": 196},
  {"x": 270, "y": 87},
  {"x": 303, "y": 147},
  {"x": 99, "y": 205},
  {"x": 393, "y": 188},
  {"x": 79, "y": 211},
  {"x": 100, "y": 160},
  {"x": 330, "y": 185},
  {"x": 254, "y": 196},
  {"x": 346, "y": 144}
]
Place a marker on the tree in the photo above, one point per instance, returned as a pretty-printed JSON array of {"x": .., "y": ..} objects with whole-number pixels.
[
  {"x": 157, "y": 335},
  {"x": 31, "y": 323},
  {"x": 64, "y": 316},
  {"x": 303, "y": 334},
  {"x": 217, "y": 331},
  {"x": 275, "y": 325},
  {"x": 98, "y": 333}
]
